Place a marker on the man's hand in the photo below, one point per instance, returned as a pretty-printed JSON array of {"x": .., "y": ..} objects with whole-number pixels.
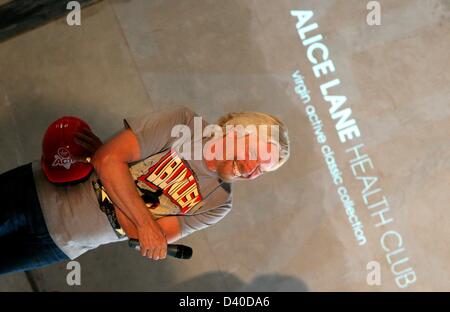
[
  {"x": 152, "y": 241},
  {"x": 169, "y": 225},
  {"x": 132, "y": 232},
  {"x": 89, "y": 141}
]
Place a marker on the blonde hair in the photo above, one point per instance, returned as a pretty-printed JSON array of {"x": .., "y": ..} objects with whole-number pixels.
[{"x": 279, "y": 138}]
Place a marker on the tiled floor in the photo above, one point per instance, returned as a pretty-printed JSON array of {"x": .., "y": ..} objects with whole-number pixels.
[{"x": 287, "y": 230}]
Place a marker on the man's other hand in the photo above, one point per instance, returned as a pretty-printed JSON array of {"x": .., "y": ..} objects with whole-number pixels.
[
  {"x": 88, "y": 140},
  {"x": 153, "y": 241}
]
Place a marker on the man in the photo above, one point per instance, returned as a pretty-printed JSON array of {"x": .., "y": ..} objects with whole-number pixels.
[{"x": 145, "y": 186}]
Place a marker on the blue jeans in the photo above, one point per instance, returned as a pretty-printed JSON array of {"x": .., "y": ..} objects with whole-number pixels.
[{"x": 25, "y": 243}]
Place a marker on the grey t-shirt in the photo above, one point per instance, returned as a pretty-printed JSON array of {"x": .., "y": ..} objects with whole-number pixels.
[{"x": 186, "y": 188}]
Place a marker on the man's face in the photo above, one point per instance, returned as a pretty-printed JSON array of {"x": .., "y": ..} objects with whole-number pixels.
[{"x": 250, "y": 159}]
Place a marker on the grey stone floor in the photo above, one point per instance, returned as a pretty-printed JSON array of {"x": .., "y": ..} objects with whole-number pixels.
[{"x": 287, "y": 230}]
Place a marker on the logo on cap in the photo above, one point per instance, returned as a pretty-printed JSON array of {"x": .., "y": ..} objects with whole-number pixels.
[{"x": 63, "y": 158}]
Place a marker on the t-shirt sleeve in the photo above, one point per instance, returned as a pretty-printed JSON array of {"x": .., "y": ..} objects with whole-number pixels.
[
  {"x": 153, "y": 129},
  {"x": 193, "y": 223}
]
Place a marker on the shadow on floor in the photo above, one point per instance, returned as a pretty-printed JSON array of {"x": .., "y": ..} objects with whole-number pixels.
[{"x": 261, "y": 283}]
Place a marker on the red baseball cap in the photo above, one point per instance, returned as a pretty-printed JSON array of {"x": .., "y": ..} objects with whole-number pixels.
[{"x": 59, "y": 151}]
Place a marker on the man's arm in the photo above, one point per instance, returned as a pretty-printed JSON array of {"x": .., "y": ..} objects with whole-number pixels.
[
  {"x": 169, "y": 224},
  {"x": 111, "y": 164}
]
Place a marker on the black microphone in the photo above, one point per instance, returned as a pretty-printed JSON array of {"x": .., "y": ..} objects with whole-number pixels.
[{"x": 173, "y": 250}]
